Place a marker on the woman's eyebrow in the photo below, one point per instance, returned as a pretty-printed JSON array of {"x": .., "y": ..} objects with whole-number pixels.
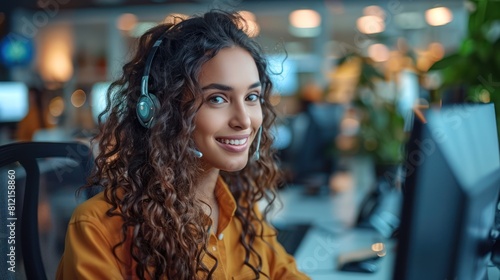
[
  {"x": 226, "y": 87},
  {"x": 254, "y": 85},
  {"x": 217, "y": 86}
]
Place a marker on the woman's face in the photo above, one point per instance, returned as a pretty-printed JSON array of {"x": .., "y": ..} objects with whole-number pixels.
[{"x": 231, "y": 113}]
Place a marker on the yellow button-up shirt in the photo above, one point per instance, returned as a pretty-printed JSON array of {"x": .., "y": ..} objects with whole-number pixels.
[{"x": 92, "y": 234}]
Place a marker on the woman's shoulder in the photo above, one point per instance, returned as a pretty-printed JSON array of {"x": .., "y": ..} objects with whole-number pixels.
[{"x": 95, "y": 211}]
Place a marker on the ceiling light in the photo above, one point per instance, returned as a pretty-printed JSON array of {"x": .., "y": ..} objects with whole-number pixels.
[
  {"x": 126, "y": 22},
  {"x": 305, "y": 19},
  {"x": 438, "y": 16},
  {"x": 305, "y": 23},
  {"x": 374, "y": 11},
  {"x": 370, "y": 24}
]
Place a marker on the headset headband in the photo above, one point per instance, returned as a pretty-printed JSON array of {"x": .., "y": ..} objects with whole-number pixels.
[{"x": 149, "y": 62}]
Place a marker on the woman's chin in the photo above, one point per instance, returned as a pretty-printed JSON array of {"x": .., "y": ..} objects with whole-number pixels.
[{"x": 234, "y": 166}]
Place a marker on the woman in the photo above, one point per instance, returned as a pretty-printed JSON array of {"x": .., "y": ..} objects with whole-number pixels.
[{"x": 185, "y": 156}]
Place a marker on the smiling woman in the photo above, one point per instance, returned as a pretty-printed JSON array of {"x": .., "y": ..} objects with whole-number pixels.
[
  {"x": 230, "y": 114},
  {"x": 183, "y": 162}
]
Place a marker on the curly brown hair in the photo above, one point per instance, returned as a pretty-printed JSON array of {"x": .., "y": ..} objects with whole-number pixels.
[{"x": 149, "y": 175}]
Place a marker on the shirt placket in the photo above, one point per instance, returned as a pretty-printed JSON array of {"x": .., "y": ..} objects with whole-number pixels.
[{"x": 218, "y": 249}]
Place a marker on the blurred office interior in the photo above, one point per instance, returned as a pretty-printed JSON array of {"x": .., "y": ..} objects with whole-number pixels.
[{"x": 350, "y": 78}]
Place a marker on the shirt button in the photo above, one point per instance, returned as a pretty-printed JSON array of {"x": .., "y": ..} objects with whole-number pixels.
[
  {"x": 221, "y": 236},
  {"x": 213, "y": 248}
]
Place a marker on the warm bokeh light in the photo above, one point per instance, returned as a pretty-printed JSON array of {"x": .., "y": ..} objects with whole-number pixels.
[
  {"x": 56, "y": 106},
  {"x": 436, "y": 51},
  {"x": 251, "y": 28},
  {"x": 378, "y": 247},
  {"x": 55, "y": 51},
  {"x": 126, "y": 22},
  {"x": 246, "y": 15},
  {"x": 378, "y": 52},
  {"x": 175, "y": 18},
  {"x": 305, "y": 19},
  {"x": 396, "y": 62},
  {"x": 78, "y": 98},
  {"x": 438, "y": 16},
  {"x": 370, "y": 24},
  {"x": 484, "y": 96},
  {"x": 275, "y": 99},
  {"x": 374, "y": 11},
  {"x": 249, "y": 24}
]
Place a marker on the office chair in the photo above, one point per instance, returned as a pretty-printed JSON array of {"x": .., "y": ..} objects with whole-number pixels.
[
  {"x": 310, "y": 157},
  {"x": 26, "y": 154}
]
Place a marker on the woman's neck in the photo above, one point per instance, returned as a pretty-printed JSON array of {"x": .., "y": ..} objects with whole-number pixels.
[
  {"x": 205, "y": 192},
  {"x": 206, "y": 185}
]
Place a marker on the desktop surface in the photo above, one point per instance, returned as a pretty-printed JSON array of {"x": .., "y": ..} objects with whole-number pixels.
[{"x": 318, "y": 252}]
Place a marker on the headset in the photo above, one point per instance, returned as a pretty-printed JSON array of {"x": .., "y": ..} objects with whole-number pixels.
[{"x": 148, "y": 104}]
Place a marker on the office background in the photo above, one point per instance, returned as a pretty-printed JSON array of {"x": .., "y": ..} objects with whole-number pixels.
[{"x": 350, "y": 78}]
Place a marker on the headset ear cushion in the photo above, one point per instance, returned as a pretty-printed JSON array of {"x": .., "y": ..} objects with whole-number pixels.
[
  {"x": 146, "y": 109},
  {"x": 156, "y": 103}
]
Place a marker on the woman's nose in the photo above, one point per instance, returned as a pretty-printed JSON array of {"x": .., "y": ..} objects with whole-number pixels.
[{"x": 240, "y": 117}]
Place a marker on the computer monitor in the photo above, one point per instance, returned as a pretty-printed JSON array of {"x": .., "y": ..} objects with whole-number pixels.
[
  {"x": 98, "y": 95},
  {"x": 451, "y": 190},
  {"x": 15, "y": 102}
]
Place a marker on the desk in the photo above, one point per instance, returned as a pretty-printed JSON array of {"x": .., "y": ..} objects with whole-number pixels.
[
  {"x": 332, "y": 217},
  {"x": 317, "y": 254}
]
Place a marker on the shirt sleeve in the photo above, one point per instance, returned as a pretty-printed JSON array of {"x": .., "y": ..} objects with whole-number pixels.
[
  {"x": 88, "y": 253},
  {"x": 282, "y": 265}
]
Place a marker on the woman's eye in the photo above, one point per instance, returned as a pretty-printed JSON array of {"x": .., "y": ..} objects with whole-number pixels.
[
  {"x": 216, "y": 99},
  {"x": 253, "y": 97}
]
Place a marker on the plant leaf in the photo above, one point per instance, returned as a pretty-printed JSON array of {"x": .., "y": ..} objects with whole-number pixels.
[{"x": 446, "y": 62}]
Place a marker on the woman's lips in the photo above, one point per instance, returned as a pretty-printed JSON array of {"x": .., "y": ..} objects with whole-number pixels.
[{"x": 233, "y": 144}]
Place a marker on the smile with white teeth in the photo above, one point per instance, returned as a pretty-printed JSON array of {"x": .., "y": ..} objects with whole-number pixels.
[{"x": 234, "y": 142}]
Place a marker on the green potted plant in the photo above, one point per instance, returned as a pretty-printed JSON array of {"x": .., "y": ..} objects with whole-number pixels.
[
  {"x": 381, "y": 127},
  {"x": 475, "y": 66}
]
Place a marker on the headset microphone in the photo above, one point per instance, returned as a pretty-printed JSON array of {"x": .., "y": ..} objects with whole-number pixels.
[
  {"x": 256, "y": 154},
  {"x": 196, "y": 153}
]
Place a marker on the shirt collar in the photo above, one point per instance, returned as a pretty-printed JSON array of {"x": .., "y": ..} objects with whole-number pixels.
[{"x": 226, "y": 201}]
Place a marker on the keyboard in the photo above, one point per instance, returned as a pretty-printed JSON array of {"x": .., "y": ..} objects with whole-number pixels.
[{"x": 290, "y": 236}]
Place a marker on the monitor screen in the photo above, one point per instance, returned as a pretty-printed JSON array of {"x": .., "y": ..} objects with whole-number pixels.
[
  {"x": 451, "y": 190},
  {"x": 14, "y": 102},
  {"x": 98, "y": 98}
]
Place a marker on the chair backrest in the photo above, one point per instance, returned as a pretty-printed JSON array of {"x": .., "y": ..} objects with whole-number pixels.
[
  {"x": 310, "y": 154},
  {"x": 27, "y": 154}
]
